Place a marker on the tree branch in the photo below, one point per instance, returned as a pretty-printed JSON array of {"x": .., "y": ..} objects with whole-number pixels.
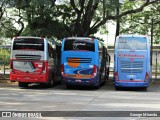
[
  {"x": 74, "y": 6},
  {"x": 140, "y": 9},
  {"x": 88, "y": 16},
  {"x": 1, "y": 9},
  {"x": 110, "y": 17},
  {"x": 82, "y": 2},
  {"x": 137, "y": 10},
  {"x": 20, "y": 22},
  {"x": 53, "y": 3}
]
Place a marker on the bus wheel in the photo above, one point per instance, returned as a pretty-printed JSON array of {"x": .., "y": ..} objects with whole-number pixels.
[
  {"x": 117, "y": 88},
  {"x": 51, "y": 83},
  {"x": 144, "y": 88},
  {"x": 22, "y": 84},
  {"x": 105, "y": 78},
  {"x": 68, "y": 86},
  {"x": 108, "y": 73},
  {"x": 97, "y": 86}
]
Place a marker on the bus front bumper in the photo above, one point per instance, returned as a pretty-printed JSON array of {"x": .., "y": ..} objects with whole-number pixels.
[
  {"x": 84, "y": 82},
  {"x": 29, "y": 78},
  {"x": 131, "y": 84}
]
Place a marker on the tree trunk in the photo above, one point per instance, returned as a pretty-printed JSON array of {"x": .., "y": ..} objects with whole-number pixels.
[{"x": 118, "y": 21}]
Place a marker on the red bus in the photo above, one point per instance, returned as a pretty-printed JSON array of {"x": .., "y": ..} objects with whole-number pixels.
[{"x": 33, "y": 60}]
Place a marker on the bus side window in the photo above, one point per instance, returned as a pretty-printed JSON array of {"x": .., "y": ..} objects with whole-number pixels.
[
  {"x": 104, "y": 53},
  {"x": 50, "y": 51},
  {"x": 100, "y": 50},
  {"x": 103, "y": 57}
]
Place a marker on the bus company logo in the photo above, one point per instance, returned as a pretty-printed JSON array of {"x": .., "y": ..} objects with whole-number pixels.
[
  {"x": 68, "y": 70},
  {"x": 131, "y": 59},
  {"x": 28, "y": 52},
  {"x": 131, "y": 55},
  {"x": 75, "y": 43},
  {"x": 6, "y": 114}
]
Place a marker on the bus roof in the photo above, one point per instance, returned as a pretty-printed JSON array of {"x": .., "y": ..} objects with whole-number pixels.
[
  {"x": 132, "y": 36},
  {"x": 28, "y": 37},
  {"x": 79, "y": 38}
]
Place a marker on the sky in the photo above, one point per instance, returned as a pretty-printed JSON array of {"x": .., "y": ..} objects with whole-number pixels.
[{"x": 110, "y": 37}]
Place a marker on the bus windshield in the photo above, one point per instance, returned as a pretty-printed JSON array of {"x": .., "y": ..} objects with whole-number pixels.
[
  {"x": 133, "y": 43},
  {"x": 28, "y": 43},
  {"x": 76, "y": 44}
]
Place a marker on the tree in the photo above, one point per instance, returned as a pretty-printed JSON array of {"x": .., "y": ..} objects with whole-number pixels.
[
  {"x": 71, "y": 18},
  {"x": 2, "y": 8},
  {"x": 45, "y": 19},
  {"x": 140, "y": 23},
  {"x": 89, "y": 19},
  {"x": 9, "y": 19}
]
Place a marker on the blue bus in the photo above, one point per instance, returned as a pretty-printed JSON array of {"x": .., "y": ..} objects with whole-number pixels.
[
  {"x": 132, "y": 61},
  {"x": 84, "y": 61}
]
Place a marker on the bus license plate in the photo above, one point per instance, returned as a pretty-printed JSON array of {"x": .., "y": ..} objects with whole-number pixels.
[
  {"x": 78, "y": 80},
  {"x": 27, "y": 78}
]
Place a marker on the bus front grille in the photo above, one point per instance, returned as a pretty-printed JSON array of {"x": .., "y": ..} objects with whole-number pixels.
[
  {"x": 79, "y": 60},
  {"x": 28, "y": 57},
  {"x": 131, "y": 66}
]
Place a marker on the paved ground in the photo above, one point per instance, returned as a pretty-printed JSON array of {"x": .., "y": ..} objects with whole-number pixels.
[{"x": 58, "y": 98}]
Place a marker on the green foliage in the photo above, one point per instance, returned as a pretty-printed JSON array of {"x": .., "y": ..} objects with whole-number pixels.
[
  {"x": 140, "y": 23},
  {"x": 7, "y": 28},
  {"x": 5, "y": 58},
  {"x": 60, "y": 20},
  {"x": 45, "y": 20},
  {"x": 68, "y": 18},
  {"x": 103, "y": 29},
  {"x": 100, "y": 39}
]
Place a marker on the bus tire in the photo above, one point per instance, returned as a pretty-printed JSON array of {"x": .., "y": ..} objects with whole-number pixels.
[
  {"x": 68, "y": 86},
  {"x": 97, "y": 86},
  {"x": 51, "y": 83},
  {"x": 104, "y": 81},
  {"x": 105, "y": 78},
  {"x": 117, "y": 88},
  {"x": 100, "y": 79},
  {"x": 108, "y": 73},
  {"x": 144, "y": 88},
  {"x": 22, "y": 84}
]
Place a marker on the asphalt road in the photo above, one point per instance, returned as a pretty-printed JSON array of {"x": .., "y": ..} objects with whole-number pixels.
[{"x": 58, "y": 98}]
